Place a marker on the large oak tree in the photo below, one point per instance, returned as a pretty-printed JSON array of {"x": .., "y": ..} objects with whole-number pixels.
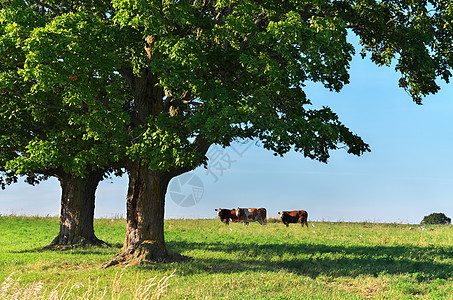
[
  {"x": 183, "y": 75},
  {"x": 43, "y": 129}
]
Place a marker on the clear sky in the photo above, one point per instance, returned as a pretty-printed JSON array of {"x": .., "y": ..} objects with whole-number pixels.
[{"x": 408, "y": 173}]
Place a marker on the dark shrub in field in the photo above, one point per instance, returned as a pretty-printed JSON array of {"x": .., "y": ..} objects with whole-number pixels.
[{"x": 436, "y": 218}]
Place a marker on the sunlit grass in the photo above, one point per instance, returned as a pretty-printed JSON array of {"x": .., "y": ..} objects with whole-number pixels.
[{"x": 325, "y": 261}]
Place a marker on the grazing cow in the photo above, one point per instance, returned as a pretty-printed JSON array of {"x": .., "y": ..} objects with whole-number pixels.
[
  {"x": 294, "y": 216},
  {"x": 246, "y": 215},
  {"x": 227, "y": 215}
]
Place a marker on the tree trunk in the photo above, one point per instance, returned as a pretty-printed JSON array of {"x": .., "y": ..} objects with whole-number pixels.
[
  {"x": 77, "y": 211},
  {"x": 144, "y": 241}
]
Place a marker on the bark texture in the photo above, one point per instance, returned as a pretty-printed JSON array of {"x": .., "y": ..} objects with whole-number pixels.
[
  {"x": 77, "y": 211},
  {"x": 144, "y": 241}
]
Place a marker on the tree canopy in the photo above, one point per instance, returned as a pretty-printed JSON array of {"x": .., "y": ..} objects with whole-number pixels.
[
  {"x": 436, "y": 218},
  {"x": 215, "y": 69},
  {"x": 53, "y": 121}
]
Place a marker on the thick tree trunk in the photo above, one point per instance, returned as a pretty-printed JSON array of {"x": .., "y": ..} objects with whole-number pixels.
[
  {"x": 77, "y": 211},
  {"x": 144, "y": 241}
]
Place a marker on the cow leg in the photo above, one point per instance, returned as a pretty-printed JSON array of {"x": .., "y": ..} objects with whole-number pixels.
[{"x": 303, "y": 221}]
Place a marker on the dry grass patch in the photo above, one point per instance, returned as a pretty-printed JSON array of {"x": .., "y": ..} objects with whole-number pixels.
[
  {"x": 153, "y": 288},
  {"x": 367, "y": 287}
]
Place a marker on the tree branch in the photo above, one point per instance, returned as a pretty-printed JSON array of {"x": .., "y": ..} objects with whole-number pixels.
[
  {"x": 201, "y": 145},
  {"x": 128, "y": 74}
]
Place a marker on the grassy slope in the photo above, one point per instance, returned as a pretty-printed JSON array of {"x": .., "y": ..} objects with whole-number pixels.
[{"x": 328, "y": 261}]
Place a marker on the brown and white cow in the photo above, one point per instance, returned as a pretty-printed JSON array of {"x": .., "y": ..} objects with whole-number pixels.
[
  {"x": 227, "y": 215},
  {"x": 294, "y": 216},
  {"x": 246, "y": 215}
]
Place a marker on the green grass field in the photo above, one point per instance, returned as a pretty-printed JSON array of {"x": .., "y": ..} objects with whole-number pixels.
[{"x": 327, "y": 261}]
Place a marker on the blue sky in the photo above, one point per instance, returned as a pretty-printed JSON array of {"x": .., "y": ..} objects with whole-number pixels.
[{"x": 408, "y": 173}]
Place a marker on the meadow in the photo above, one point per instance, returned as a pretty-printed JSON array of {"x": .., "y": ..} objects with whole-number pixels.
[{"x": 326, "y": 261}]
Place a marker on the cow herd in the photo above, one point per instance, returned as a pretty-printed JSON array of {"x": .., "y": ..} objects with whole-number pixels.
[{"x": 247, "y": 215}]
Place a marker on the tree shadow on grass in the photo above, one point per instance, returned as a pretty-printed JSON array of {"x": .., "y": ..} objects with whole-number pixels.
[
  {"x": 80, "y": 250},
  {"x": 314, "y": 260}
]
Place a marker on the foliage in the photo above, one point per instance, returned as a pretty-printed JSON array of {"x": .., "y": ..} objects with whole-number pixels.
[
  {"x": 336, "y": 261},
  {"x": 54, "y": 122},
  {"x": 436, "y": 218},
  {"x": 89, "y": 84}
]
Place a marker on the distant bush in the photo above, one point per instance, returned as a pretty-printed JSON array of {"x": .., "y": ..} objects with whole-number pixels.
[
  {"x": 274, "y": 220},
  {"x": 436, "y": 218}
]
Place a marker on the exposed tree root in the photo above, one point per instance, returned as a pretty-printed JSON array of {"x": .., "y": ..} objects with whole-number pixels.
[
  {"x": 63, "y": 243},
  {"x": 146, "y": 253}
]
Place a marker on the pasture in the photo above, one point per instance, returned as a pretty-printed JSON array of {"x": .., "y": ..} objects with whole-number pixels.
[{"x": 327, "y": 261}]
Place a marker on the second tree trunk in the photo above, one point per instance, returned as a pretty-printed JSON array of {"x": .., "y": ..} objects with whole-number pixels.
[{"x": 77, "y": 210}]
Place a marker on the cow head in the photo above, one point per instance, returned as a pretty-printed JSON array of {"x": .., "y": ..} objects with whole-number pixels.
[
  {"x": 239, "y": 212},
  {"x": 282, "y": 214},
  {"x": 219, "y": 212}
]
